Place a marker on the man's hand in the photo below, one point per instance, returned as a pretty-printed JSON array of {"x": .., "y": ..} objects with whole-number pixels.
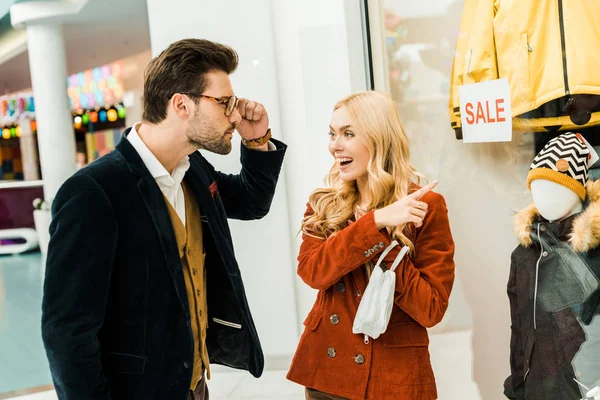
[{"x": 255, "y": 120}]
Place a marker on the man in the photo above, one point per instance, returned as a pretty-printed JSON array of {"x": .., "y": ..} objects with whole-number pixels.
[{"x": 142, "y": 286}]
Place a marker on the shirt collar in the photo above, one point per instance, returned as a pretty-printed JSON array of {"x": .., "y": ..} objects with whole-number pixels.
[{"x": 157, "y": 170}]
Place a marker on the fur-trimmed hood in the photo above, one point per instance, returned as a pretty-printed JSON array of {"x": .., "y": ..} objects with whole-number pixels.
[{"x": 585, "y": 232}]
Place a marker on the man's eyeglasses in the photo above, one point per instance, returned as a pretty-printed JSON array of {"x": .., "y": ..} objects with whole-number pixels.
[{"x": 230, "y": 102}]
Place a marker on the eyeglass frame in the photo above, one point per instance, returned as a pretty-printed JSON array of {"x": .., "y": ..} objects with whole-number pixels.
[{"x": 224, "y": 100}]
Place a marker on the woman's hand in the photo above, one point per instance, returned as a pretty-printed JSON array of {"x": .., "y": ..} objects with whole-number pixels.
[{"x": 405, "y": 210}]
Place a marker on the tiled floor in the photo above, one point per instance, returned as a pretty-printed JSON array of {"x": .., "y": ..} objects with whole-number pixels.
[
  {"x": 22, "y": 359},
  {"x": 450, "y": 362},
  {"x": 228, "y": 385},
  {"x": 23, "y": 363},
  {"x": 233, "y": 385}
]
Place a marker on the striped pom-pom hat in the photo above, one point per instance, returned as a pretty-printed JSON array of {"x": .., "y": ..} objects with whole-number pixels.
[{"x": 563, "y": 160}]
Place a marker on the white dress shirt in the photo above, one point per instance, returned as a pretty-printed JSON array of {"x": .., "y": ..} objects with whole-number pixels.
[{"x": 169, "y": 184}]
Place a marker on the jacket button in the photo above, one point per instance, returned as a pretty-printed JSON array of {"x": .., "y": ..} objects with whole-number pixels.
[
  {"x": 545, "y": 254},
  {"x": 187, "y": 323},
  {"x": 358, "y": 293},
  {"x": 187, "y": 364},
  {"x": 366, "y": 253},
  {"x": 543, "y": 228},
  {"x": 341, "y": 287},
  {"x": 381, "y": 245},
  {"x": 331, "y": 352},
  {"x": 335, "y": 319},
  {"x": 359, "y": 359}
]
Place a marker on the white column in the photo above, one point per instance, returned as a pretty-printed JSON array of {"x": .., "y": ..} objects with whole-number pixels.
[
  {"x": 29, "y": 154},
  {"x": 56, "y": 139},
  {"x": 47, "y": 64}
]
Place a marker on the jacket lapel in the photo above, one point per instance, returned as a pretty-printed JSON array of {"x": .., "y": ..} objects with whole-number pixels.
[
  {"x": 199, "y": 182},
  {"x": 157, "y": 208},
  {"x": 159, "y": 213}
]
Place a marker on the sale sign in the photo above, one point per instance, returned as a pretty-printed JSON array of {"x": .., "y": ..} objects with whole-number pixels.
[{"x": 485, "y": 112}]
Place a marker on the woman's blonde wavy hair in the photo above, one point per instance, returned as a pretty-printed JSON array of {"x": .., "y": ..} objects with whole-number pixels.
[{"x": 376, "y": 122}]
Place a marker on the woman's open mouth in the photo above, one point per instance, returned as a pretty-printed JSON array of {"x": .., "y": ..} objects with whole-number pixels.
[{"x": 344, "y": 161}]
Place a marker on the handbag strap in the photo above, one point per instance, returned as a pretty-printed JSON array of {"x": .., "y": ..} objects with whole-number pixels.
[
  {"x": 385, "y": 252},
  {"x": 399, "y": 258}
]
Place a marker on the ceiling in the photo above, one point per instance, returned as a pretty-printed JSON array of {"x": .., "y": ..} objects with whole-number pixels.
[
  {"x": 5, "y": 5},
  {"x": 104, "y": 31}
]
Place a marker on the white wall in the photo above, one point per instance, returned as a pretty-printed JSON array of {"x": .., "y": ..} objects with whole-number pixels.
[
  {"x": 263, "y": 247},
  {"x": 133, "y": 84},
  {"x": 314, "y": 71},
  {"x": 295, "y": 59}
]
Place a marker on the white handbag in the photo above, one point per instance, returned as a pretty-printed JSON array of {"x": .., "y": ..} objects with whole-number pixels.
[
  {"x": 375, "y": 307},
  {"x": 593, "y": 394}
]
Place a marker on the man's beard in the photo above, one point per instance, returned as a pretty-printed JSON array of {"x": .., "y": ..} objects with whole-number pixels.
[{"x": 202, "y": 135}]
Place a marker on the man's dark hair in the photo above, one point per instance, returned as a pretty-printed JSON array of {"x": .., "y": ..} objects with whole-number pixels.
[{"x": 181, "y": 68}]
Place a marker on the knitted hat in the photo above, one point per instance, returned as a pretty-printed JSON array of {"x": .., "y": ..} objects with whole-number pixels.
[{"x": 563, "y": 160}]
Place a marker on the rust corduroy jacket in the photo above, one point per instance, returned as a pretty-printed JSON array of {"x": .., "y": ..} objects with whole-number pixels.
[{"x": 332, "y": 359}]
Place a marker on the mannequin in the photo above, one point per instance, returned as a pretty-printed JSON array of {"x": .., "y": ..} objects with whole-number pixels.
[
  {"x": 551, "y": 350},
  {"x": 554, "y": 202}
]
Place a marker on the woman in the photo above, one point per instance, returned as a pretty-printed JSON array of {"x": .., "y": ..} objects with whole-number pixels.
[{"x": 370, "y": 200}]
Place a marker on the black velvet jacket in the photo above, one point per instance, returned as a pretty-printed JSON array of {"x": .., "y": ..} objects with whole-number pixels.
[{"x": 115, "y": 320}]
